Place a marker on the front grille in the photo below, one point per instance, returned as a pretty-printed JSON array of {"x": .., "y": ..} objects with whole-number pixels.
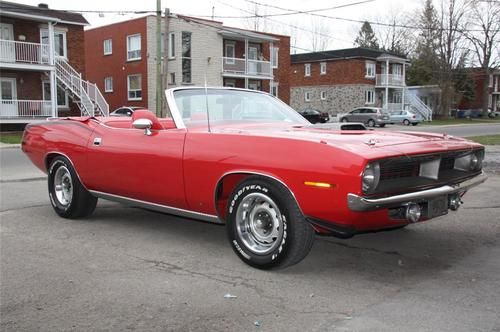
[{"x": 401, "y": 174}]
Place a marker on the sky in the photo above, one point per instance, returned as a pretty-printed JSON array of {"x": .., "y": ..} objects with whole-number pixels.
[{"x": 304, "y": 29}]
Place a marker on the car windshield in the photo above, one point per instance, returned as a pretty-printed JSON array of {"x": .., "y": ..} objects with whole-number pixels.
[{"x": 225, "y": 106}]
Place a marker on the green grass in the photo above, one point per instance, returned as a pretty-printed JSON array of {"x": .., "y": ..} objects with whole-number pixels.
[
  {"x": 442, "y": 122},
  {"x": 11, "y": 138},
  {"x": 486, "y": 140}
]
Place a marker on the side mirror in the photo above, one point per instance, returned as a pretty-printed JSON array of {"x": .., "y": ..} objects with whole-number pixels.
[{"x": 145, "y": 124}]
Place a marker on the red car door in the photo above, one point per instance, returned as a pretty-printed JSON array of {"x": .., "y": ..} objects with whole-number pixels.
[{"x": 126, "y": 162}]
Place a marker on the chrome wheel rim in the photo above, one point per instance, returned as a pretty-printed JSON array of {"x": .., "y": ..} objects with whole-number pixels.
[
  {"x": 63, "y": 186},
  {"x": 259, "y": 223}
]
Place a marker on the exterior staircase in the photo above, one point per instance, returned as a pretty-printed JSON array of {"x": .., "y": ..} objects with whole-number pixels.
[
  {"x": 87, "y": 95},
  {"x": 417, "y": 106}
]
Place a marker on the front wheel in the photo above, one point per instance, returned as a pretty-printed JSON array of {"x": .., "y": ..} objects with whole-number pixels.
[
  {"x": 67, "y": 195},
  {"x": 344, "y": 120},
  {"x": 382, "y": 125},
  {"x": 265, "y": 226},
  {"x": 414, "y": 123}
]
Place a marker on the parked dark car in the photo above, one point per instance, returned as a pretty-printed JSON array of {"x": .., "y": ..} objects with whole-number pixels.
[
  {"x": 370, "y": 116},
  {"x": 315, "y": 116},
  {"x": 125, "y": 111}
]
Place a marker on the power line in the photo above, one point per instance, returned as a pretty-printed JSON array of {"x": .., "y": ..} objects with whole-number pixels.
[
  {"x": 292, "y": 12},
  {"x": 312, "y": 13},
  {"x": 286, "y": 24}
]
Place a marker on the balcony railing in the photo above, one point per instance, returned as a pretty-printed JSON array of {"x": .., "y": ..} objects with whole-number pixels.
[
  {"x": 390, "y": 80},
  {"x": 242, "y": 67},
  {"x": 24, "y": 52},
  {"x": 12, "y": 108}
]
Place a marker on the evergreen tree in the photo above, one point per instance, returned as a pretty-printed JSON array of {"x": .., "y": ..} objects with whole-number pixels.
[
  {"x": 425, "y": 62},
  {"x": 366, "y": 37}
]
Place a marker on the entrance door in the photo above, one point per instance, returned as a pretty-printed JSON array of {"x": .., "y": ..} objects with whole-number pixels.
[
  {"x": 253, "y": 54},
  {"x": 8, "y": 50},
  {"x": 8, "y": 96}
]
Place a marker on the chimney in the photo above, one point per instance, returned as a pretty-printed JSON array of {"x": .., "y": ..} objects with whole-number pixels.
[{"x": 43, "y": 6}]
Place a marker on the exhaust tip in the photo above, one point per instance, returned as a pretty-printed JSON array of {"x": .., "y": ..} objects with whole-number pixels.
[{"x": 413, "y": 212}]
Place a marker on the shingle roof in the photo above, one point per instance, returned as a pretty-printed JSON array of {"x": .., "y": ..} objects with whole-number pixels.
[
  {"x": 62, "y": 15},
  {"x": 357, "y": 52}
]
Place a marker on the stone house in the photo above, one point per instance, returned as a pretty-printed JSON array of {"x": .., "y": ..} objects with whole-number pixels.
[{"x": 338, "y": 81}]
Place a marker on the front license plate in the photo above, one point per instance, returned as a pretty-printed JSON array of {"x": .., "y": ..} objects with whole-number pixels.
[{"x": 437, "y": 206}]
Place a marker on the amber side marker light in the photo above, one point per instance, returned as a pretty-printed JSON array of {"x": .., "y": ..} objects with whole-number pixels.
[{"x": 319, "y": 184}]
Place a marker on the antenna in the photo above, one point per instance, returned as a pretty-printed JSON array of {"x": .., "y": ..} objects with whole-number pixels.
[{"x": 206, "y": 102}]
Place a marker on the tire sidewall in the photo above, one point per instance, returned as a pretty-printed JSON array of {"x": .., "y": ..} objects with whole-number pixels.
[
  {"x": 62, "y": 210},
  {"x": 279, "y": 253}
]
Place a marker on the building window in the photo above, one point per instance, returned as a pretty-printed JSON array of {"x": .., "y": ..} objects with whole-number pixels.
[
  {"x": 490, "y": 83},
  {"x": 370, "y": 69},
  {"x": 322, "y": 66},
  {"x": 307, "y": 96},
  {"x": 229, "y": 52},
  {"x": 134, "y": 87},
  {"x": 62, "y": 95},
  {"x": 274, "y": 89},
  {"x": 172, "y": 78},
  {"x": 397, "y": 70},
  {"x": 186, "y": 57},
  {"x": 171, "y": 45},
  {"x": 108, "y": 47},
  {"x": 134, "y": 47},
  {"x": 108, "y": 84},
  {"x": 369, "y": 96},
  {"x": 60, "y": 43},
  {"x": 323, "y": 95},
  {"x": 307, "y": 69},
  {"x": 230, "y": 83},
  {"x": 274, "y": 58}
]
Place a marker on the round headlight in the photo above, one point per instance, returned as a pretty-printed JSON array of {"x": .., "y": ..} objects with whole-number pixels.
[
  {"x": 370, "y": 178},
  {"x": 474, "y": 162}
]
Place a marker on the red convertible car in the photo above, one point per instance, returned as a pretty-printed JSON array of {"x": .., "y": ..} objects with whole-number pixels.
[{"x": 246, "y": 159}]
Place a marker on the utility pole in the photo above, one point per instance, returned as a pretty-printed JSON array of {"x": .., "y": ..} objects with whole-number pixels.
[{"x": 158, "y": 58}]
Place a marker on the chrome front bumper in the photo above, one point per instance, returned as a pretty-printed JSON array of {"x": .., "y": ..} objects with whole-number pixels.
[{"x": 358, "y": 203}]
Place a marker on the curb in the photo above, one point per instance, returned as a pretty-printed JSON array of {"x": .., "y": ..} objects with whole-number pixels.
[{"x": 9, "y": 146}]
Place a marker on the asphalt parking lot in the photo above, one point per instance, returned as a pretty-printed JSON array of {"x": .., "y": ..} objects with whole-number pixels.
[{"x": 130, "y": 269}]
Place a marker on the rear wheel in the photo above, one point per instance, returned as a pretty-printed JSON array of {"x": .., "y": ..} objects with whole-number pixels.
[
  {"x": 265, "y": 226},
  {"x": 67, "y": 195},
  {"x": 406, "y": 122},
  {"x": 414, "y": 123},
  {"x": 371, "y": 123},
  {"x": 382, "y": 125}
]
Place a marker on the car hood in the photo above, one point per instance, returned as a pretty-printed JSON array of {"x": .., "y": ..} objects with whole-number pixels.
[{"x": 367, "y": 143}]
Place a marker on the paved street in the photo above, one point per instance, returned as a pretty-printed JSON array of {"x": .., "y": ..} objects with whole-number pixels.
[
  {"x": 456, "y": 130},
  {"x": 126, "y": 269}
]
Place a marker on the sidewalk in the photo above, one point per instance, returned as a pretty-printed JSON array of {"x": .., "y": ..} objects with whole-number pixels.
[{"x": 15, "y": 166}]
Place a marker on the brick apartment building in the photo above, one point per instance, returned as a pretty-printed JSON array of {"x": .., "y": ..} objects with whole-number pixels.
[
  {"x": 340, "y": 80},
  {"x": 199, "y": 51},
  {"x": 481, "y": 79},
  {"x": 41, "y": 61}
]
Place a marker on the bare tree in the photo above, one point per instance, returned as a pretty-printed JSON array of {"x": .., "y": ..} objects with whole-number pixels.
[
  {"x": 319, "y": 35},
  {"x": 484, "y": 34},
  {"x": 396, "y": 38},
  {"x": 452, "y": 50}
]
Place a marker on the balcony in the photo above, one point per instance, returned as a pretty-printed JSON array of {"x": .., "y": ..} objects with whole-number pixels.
[
  {"x": 14, "y": 54},
  {"x": 12, "y": 108},
  {"x": 391, "y": 80},
  {"x": 235, "y": 67}
]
